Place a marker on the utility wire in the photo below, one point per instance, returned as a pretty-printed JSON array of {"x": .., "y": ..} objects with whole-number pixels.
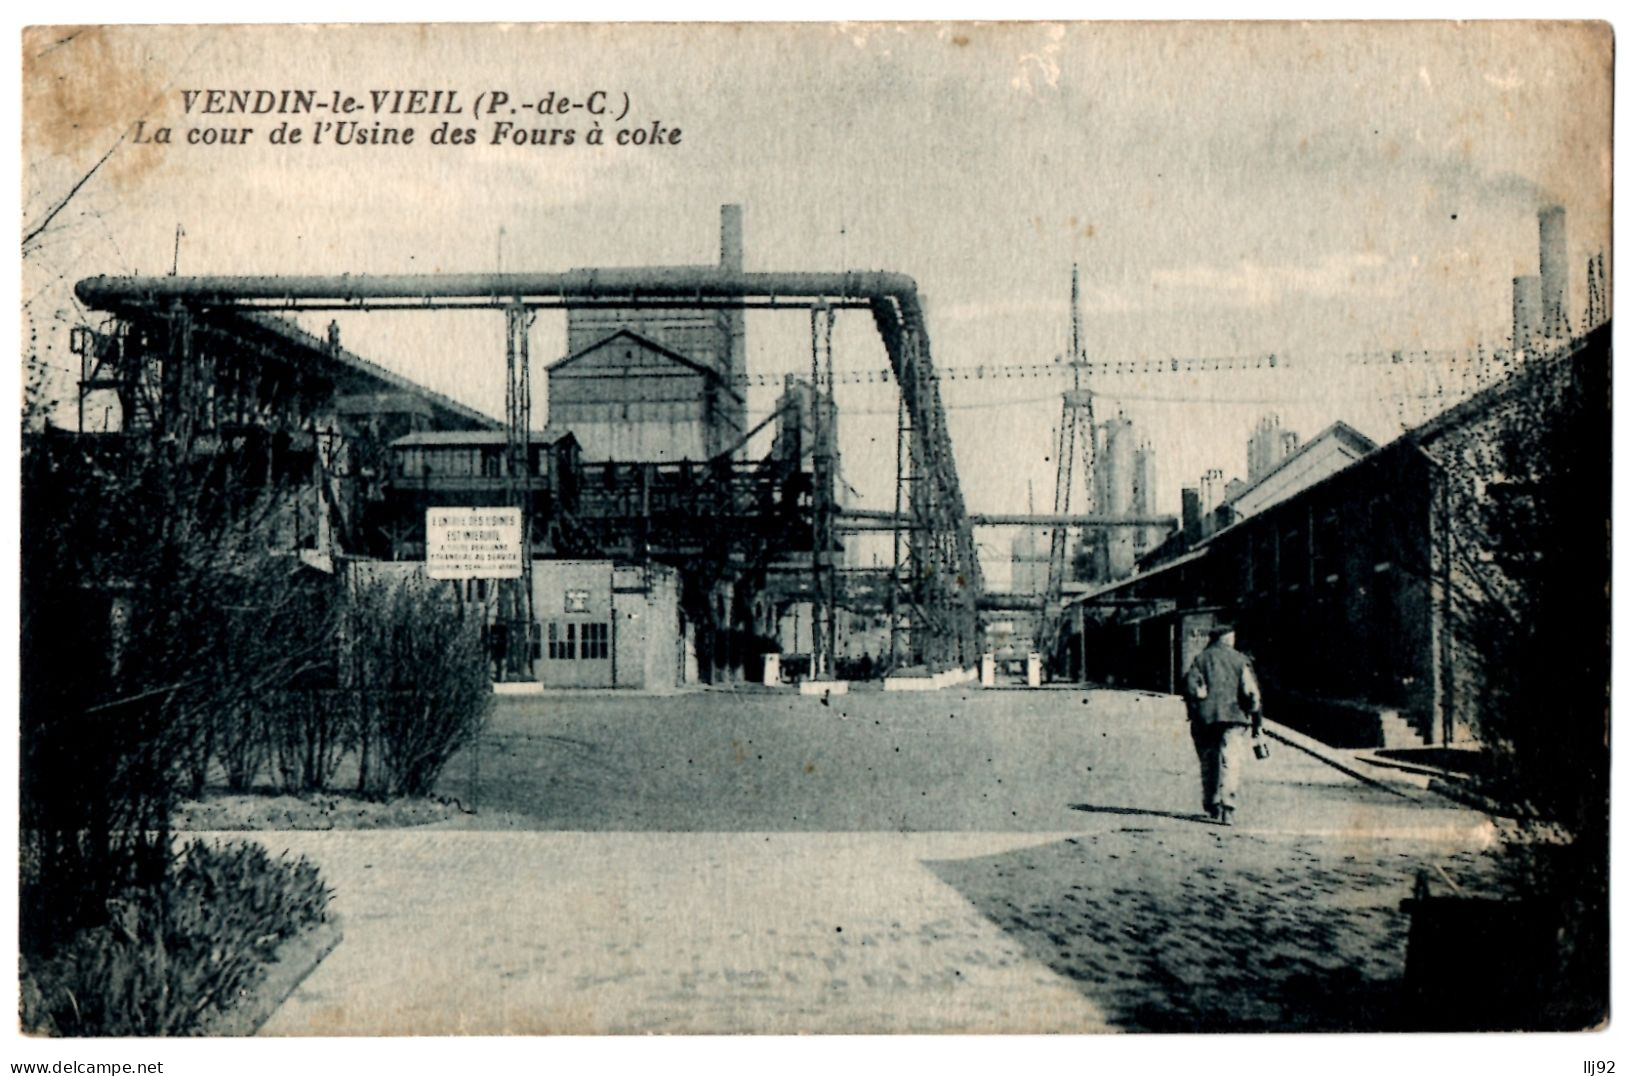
[
  {"x": 177, "y": 73},
  {"x": 73, "y": 190},
  {"x": 1135, "y": 367}
]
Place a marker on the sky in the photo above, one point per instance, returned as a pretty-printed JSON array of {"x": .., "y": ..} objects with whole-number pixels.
[{"x": 1225, "y": 190}]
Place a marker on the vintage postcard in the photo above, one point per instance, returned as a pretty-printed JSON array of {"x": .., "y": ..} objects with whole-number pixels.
[{"x": 815, "y": 529}]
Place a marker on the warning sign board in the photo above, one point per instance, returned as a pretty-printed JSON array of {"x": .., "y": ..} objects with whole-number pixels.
[{"x": 474, "y": 543}]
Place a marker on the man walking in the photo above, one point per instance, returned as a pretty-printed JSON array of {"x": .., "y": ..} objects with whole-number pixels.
[{"x": 1221, "y": 701}]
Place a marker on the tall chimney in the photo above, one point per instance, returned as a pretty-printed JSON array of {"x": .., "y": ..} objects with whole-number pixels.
[
  {"x": 1526, "y": 318},
  {"x": 1190, "y": 510},
  {"x": 731, "y": 323},
  {"x": 1554, "y": 273},
  {"x": 733, "y": 238}
]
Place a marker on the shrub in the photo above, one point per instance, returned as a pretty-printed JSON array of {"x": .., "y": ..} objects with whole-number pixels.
[
  {"x": 155, "y": 570},
  {"x": 269, "y": 628},
  {"x": 96, "y": 729},
  {"x": 309, "y": 727},
  {"x": 419, "y": 669},
  {"x": 1539, "y": 626},
  {"x": 170, "y": 955}
]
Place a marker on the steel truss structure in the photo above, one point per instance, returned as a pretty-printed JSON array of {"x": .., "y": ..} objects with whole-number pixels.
[
  {"x": 1077, "y": 431},
  {"x": 517, "y": 601},
  {"x": 825, "y": 562},
  {"x": 936, "y": 580}
]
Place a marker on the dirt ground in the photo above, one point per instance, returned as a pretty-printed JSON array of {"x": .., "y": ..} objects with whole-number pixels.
[{"x": 227, "y": 811}]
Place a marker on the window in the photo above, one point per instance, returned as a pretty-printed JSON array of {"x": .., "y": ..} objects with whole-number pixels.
[
  {"x": 561, "y": 645},
  {"x": 561, "y": 641},
  {"x": 1328, "y": 551},
  {"x": 594, "y": 642}
]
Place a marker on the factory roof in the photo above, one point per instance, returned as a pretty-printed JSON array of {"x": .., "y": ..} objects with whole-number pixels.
[
  {"x": 624, "y": 335},
  {"x": 446, "y": 409},
  {"x": 1355, "y": 444}
]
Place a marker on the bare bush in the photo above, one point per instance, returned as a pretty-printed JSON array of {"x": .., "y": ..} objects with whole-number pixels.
[
  {"x": 156, "y": 618},
  {"x": 419, "y": 669}
]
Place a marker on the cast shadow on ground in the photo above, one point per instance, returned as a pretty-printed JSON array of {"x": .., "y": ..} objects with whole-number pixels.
[
  {"x": 1164, "y": 931},
  {"x": 1178, "y": 816}
]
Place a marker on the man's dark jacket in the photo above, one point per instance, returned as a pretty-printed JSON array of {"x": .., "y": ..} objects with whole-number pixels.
[{"x": 1220, "y": 688}]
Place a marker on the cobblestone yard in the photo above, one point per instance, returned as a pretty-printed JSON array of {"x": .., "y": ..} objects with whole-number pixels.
[
  {"x": 1187, "y": 931},
  {"x": 966, "y": 861}
]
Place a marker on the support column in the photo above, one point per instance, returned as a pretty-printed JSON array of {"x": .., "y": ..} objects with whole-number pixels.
[
  {"x": 176, "y": 421},
  {"x": 522, "y": 634},
  {"x": 896, "y": 603},
  {"x": 824, "y": 566},
  {"x": 921, "y": 529}
]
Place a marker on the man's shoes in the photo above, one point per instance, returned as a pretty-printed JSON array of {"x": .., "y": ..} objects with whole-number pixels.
[{"x": 1211, "y": 810}]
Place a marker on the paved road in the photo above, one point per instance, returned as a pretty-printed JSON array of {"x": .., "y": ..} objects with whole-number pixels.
[{"x": 965, "y": 861}]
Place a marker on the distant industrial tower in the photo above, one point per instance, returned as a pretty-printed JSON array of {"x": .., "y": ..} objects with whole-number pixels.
[
  {"x": 1554, "y": 273},
  {"x": 1116, "y": 478},
  {"x": 1525, "y": 312},
  {"x": 657, "y": 383},
  {"x": 1268, "y": 446},
  {"x": 1210, "y": 490},
  {"x": 1077, "y": 428},
  {"x": 1028, "y": 566},
  {"x": 1144, "y": 500}
]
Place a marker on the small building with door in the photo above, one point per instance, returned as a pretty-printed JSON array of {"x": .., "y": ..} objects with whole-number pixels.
[{"x": 606, "y": 625}]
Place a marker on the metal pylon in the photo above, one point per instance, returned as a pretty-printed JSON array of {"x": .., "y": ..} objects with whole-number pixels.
[
  {"x": 519, "y": 609},
  {"x": 911, "y": 543},
  {"x": 824, "y": 566},
  {"x": 1077, "y": 430}
]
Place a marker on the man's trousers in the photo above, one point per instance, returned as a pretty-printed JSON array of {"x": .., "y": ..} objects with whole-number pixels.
[{"x": 1219, "y": 747}]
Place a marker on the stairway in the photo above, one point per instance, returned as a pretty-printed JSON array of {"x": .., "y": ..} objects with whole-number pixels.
[{"x": 1397, "y": 732}]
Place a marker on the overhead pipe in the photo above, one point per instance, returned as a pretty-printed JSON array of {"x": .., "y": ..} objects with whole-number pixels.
[
  {"x": 1005, "y": 519},
  {"x": 993, "y": 601},
  {"x": 104, "y": 292},
  {"x": 893, "y": 299},
  {"x": 885, "y": 519}
]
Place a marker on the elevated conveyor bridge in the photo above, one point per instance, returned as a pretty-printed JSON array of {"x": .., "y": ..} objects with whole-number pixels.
[{"x": 936, "y": 581}]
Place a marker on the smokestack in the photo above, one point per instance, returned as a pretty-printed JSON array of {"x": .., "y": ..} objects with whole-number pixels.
[
  {"x": 1145, "y": 480},
  {"x": 1190, "y": 509},
  {"x": 731, "y": 323},
  {"x": 1554, "y": 273},
  {"x": 1526, "y": 301},
  {"x": 1118, "y": 487},
  {"x": 1212, "y": 489},
  {"x": 733, "y": 238}
]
